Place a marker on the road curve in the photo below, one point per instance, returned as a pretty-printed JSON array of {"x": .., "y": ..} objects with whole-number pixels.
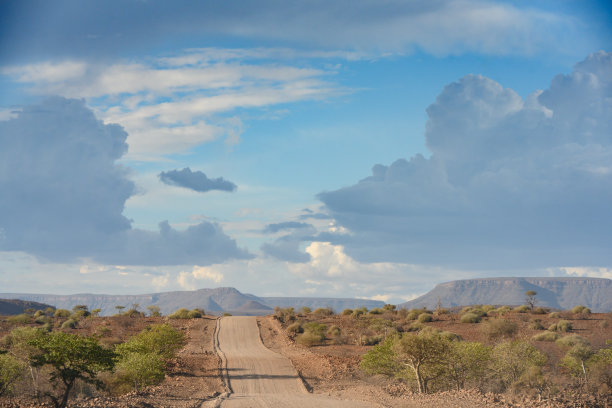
[{"x": 259, "y": 377}]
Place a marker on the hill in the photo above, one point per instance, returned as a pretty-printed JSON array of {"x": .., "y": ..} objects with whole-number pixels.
[
  {"x": 18, "y": 306},
  {"x": 214, "y": 301},
  {"x": 559, "y": 293}
]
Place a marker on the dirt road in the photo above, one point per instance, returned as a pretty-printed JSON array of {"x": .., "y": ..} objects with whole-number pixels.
[{"x": 259, "y": 377}]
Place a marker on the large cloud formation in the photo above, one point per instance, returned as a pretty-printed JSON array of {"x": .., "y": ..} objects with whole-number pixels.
[
  {"x": 509, "y": 183},
  {"x": 62, "y": 195},
  {"x": 195, "y": 180}
]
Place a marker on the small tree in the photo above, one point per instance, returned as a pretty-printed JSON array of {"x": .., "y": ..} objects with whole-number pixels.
[
  {"x": 71, "y": 358},
  {"x": 530, "y": 298},
  {"x": 154, "y": 310},
  {"x": 18, "y": 342},
  {"x": 10, "y": 370}
]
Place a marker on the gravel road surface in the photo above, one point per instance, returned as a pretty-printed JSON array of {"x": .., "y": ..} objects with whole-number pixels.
[{"x": 259, "y": 377}]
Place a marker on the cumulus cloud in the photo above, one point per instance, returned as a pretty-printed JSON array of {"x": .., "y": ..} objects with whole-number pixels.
[
  {"x": 195, "y": 180},
  {"x": 510, "y": 182},
  {"x": 63, "y": 195}
]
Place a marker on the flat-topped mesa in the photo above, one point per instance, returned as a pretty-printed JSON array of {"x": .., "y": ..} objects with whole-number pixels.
[{"x": 559, "y": 293}]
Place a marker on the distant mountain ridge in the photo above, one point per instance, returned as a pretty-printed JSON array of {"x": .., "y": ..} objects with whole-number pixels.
[
  {"x": 17, "y": 306},
  {"x": 560, "y": 293},
  {"x": 216, "y": 301}
]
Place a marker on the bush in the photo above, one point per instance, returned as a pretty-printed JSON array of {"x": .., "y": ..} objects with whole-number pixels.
[
  {"x": 162, "y": 339},
  {"x": 305, "y": 310},
  {"x": 370, "y": 340},
  {"x": 137, "y": 370},
  {"x": 470, "y": 318},
  {"x": 413, "y": 314},
  {"x": 310, "y": 339},
  {"x": 323, "y": 312},
  {"x": 561, "y": 326},
  {"x": 522, "y": 309},
  {"x": 186, "y": 314},
  {"x": 316, "y": 328},
  {"x": 536, "y": 325},
  {"x": 284, "y": 315},
  {"x": 10, "y": 371},
  {"x": 425, "y": 317},
  {"x": 61, "y": 313},
  {"x": 496, "y": 328},
  {"x": 42, "y": 319},
  {"x": 539, "y": 310},
  {"x": 20, "y": 319},
  {"x": 295, "y": 328},
  {"x": 70, "y": 324},
  {"x": 554, "y": 315},
  {"x": 359, "y": 312},
  {"x": 572, "y": 340},
  {"x": 416, "y": 326},
  {"x": 546, "y": 336},
  {"x": 376, "y": 311},
  {"x": 581, "y": 309},
  {"x": 333, "y": 331},
  {"x": 347, "y": 312}
]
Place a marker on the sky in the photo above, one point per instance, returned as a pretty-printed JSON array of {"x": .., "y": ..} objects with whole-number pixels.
[{"x": 359, "y": 148}]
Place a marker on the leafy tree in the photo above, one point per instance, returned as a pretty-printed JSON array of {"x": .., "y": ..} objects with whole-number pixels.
[
  {"x": 71, "y": 358},
  {"x": 577, "y": 360},
  {"x": 513, "y": 359},
  {"x": 140, "y": 369},
  {"x": 10, "y": 370},
  {"x": 154, "y": 310},
  {"x": 381, "y": 359},
  {"x": 18, "y": 342},
  {"x": 80, "y": 311},
  {"x": 422, "y": 354},
  {"x": 530, "y": 298},
  {"x": 467, "y": 361},
  {"x": 161, "y": 339}
]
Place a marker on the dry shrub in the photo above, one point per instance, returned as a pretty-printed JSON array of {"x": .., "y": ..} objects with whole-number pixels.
[
  {"x": 546, "y": 336},
  {"x": 470, "y": 318},
  {"x": 496, "y": 328},
  {"x": 310, "y": 339}
]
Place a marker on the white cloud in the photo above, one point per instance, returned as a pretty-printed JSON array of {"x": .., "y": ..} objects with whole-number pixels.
[
  {"x": 586, "y": 271},
  {"x": 510, "y": 183},
  {"x": 170, "y": 105},
  {"x": 207, "y": 273}
]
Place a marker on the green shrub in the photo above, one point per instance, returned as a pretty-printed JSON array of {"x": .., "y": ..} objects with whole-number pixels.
[
  {"x": 42, "y": 319},
  {"x": 376, "y": 311},
  {"x": 39, "y": 313},
  {"x": 195, "y": 314},
  {"x": 389, "y": 308},
  {"x": 561, "y": 326},
  {"x": 347, "y": 312},
  {"x": 365, "y": 340},
  {"x": 470, "y": 318},
  {"x": 487, "y": 308},
  {"x": 572, "y": 340},
  {"x": 413, "y": 314},
  {"x": 181, "y": 313},
  {"x": 333, "y": 331},
  {"x": 522, "y": 309},
  {"x": 70, "y": 324},
  {"x": 416, "y": 326},
  {"x": 61, "y": 313},
  {"x": 295, "y": 328},
  {"x": 359, "y": 312},
  {"x": 305, "y": 310},
  {"x": 162, "y": 339},
  {"x": 536, "y": 325},
  {"x": 137, "y": 370},
  {"x": 546, "y": 336},
  {"x": 323, "y": 312},
  {"x": 496, "y": 328},
  {"x": 581, "y": 309},
  {"x": 10, "y": 371},
  {"x": 20, "y": 319},
  {"x": 284, "y": 315},
  {"x": 425, "y": 317},
  {"x": 316, "y": 328},
  {"x": 309, "y": 339}
]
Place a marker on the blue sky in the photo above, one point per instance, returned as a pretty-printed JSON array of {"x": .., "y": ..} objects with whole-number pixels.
[{"x": 349, "y": 148}]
